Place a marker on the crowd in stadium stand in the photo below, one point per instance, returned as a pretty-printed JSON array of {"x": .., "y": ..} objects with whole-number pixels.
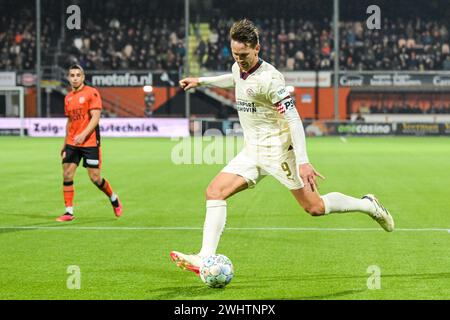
[
  {"x": 18, "y": 41},
  {"x": 134, "y": 44},
  {"x": 306, "y": 45},
  {"x": 136, "y": 34},
  {"x": 289, "y": 45},
  {"x": 153, "y": 38}
]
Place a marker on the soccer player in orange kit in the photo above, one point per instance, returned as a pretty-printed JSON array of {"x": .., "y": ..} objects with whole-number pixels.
[{"x": 82, "y": 107}]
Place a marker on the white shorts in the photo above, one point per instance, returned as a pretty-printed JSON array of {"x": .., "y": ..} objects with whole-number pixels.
[{"x": 253, "y": 168}]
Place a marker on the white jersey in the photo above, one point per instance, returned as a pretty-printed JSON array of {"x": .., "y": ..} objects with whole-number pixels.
[
  {"x": 257, "y": 93},
  {"x": 267, "y": 114}
]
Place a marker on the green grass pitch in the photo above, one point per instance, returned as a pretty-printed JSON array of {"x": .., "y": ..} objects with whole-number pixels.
[{"x": 290, "y": 256}]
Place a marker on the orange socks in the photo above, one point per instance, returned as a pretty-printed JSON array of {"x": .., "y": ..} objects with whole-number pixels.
[{"x": 106, "y": 188}]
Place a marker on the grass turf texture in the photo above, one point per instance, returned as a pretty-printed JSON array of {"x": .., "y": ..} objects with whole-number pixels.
[{"x": 409, "y": 175}]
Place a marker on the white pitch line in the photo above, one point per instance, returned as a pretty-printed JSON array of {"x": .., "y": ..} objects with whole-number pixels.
[{"x": 198, "y": 228}]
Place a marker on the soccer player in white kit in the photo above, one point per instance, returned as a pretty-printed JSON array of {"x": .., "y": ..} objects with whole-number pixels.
[{"x": 274, "y": 143}]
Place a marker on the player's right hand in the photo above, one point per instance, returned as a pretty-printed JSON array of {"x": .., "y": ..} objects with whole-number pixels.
[
  {"x": 63, "y": 152},
  {"x": 308, "y": 174},
  {"x": 189, "y": 83}
]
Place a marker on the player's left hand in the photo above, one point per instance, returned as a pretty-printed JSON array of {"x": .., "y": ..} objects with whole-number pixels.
[
  {"x": 79, "y": 139},
  {"x": 308, "y": 174},
  {"x": 189, "y": 83}
]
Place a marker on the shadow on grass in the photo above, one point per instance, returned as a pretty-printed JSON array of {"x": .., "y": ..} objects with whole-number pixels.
[
  {"x": 254, "y": 288},
  {"x": 319, "y": 277},
  {"x": 197, "y": 291},
  {"x": 26, "y": 215},
  {"x": 178, "y": 293},
  {"x": 419, "y": 276},
  {"x": 49, "y": 223},
  {"x": 331, "y": 296},
  {"x": 203, "y": 292}
]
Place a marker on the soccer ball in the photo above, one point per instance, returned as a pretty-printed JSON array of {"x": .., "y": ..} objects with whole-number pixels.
[{"x": 216, "y": 271}]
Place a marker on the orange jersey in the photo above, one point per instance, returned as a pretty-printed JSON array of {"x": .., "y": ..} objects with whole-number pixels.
[{"x": 77, "y": 105}]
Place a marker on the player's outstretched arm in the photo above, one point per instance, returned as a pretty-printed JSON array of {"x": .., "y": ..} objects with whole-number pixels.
[
  {"x": 189, "y": 83},
  {"x": 222, "y": 81}
]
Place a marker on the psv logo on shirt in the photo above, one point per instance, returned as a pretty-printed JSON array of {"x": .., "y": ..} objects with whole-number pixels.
[
  {"x": 81, "y": 100},
  {"x": 250, "y": 92}
]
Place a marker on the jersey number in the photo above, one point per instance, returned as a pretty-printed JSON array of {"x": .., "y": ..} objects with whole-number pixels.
[{"x": 285, "y": 167}]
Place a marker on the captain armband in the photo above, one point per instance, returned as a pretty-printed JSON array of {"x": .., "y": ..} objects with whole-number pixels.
[{"x": 285, "y": 105}]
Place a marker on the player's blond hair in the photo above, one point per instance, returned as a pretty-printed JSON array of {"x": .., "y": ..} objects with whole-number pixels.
[{"x": 246, "y": 32}]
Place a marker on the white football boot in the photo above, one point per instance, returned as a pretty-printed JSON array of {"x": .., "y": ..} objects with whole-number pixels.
[
  {"x": 191, "y": 262},
  {"x": 380, "y": 214}
]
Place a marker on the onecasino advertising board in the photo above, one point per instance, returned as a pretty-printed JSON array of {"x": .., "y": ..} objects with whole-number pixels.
[{"x": 322, "y": 128}]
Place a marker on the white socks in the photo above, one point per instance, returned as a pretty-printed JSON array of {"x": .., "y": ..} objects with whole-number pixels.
[
  {"x": 69, "y": 210},
  {"x": 216, "y": 215},
  {"x": 113, "y": 197},
  {"x": 338, "y": 202}
]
